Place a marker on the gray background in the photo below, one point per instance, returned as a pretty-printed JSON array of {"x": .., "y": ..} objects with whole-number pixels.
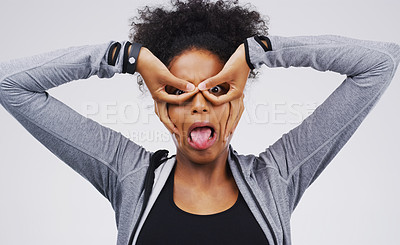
[{"x": 354, "y": 200}]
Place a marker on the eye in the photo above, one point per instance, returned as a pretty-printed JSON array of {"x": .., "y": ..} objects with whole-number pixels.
[
  {"x": 218, "y": 90},
  {"x": 172, "y": 90},
  {"x": 178, "y": 92},
  {"x": 215, "y": 89}
]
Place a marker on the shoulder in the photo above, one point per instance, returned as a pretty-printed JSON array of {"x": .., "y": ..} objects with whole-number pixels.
[{"x": 250, "y": 162}]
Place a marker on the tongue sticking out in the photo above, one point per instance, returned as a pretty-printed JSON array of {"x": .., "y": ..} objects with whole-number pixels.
[{"x": 200, "y": 136}]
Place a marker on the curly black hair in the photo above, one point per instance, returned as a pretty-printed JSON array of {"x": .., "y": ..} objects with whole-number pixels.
[{"x": 219, "y": 27}]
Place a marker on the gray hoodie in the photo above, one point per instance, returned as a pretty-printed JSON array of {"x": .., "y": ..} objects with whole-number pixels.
[{"x": 271, "y": 183}]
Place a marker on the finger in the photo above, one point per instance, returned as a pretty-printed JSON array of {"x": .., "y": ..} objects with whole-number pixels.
[
  {"x": 164, "y": 117},
  {"x": 228, "y": 123},
  {"x": 233, "y": 112},
  {"x": 238, "y": 116},
  {"x": 237, "y": 108},
  {"x": 221, "y": 77},
  {"x": 178, "y": 83},
  {"x": 162, "y": 113},
  {"x": 163, "y": 96},
  {"x": 219, "y": 100},
  {"x": 156, "y": 108}
]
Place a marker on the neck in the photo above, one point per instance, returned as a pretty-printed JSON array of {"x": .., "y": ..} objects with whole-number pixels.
[{"x": 203, "y": 175}]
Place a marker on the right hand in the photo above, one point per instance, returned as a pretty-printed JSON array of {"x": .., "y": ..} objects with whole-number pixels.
[
  {"x": 156, "y": 76},
  {"x": 161, "y": 110},
  {"x": 235, "y": 72}
]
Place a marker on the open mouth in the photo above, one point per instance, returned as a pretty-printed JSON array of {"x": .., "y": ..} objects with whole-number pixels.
[{"x": 201, "y": 135}]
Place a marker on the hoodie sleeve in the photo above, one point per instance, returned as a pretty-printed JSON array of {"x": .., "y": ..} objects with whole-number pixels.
[
  {"x": 94, "y": 151},
  {"x": 302, "y": 154}
]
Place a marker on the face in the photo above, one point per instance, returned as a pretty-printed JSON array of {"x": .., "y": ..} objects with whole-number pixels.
[{"x": 201, "y": 125}]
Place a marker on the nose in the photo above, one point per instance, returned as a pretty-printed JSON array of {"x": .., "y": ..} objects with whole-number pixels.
[{"x": 199, "y": 104}]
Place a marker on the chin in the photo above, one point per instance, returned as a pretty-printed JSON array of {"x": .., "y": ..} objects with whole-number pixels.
[{"x": 204, "y": 157}]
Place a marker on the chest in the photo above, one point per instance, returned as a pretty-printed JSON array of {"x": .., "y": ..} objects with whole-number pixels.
[
  {"x": 213, "y": 201},
  {"x": 168, "y": 223}
]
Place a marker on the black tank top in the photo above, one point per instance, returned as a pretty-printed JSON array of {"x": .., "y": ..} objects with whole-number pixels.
[{"x": 168, "y": 224}]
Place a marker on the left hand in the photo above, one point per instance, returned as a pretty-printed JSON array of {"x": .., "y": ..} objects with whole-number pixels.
[
  {"x": 235, "y": 113},
  {"x": 235, "y": 73}
]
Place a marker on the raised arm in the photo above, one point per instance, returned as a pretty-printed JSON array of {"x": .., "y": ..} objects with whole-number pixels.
[
  {"x": 302, "y": 154},
  {"x": 96, "y": 152}
]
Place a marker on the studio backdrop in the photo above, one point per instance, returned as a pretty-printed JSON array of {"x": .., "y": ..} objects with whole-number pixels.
[{"x": 354, "y": 201}]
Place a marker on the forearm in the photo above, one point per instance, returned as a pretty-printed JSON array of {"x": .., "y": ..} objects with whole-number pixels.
[
  {"x": 41, "y": 72},
  {"x": 344, "y": 55},
  {"x": 304, "y": 152}
]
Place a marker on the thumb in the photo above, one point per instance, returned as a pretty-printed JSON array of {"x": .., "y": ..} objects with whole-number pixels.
[
  {"x": 178, "y": 83},
  {"x": 221, "y": 77}
]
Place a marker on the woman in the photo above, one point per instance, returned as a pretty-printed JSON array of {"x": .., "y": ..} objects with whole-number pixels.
[{"x": 207, "y": 193}]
